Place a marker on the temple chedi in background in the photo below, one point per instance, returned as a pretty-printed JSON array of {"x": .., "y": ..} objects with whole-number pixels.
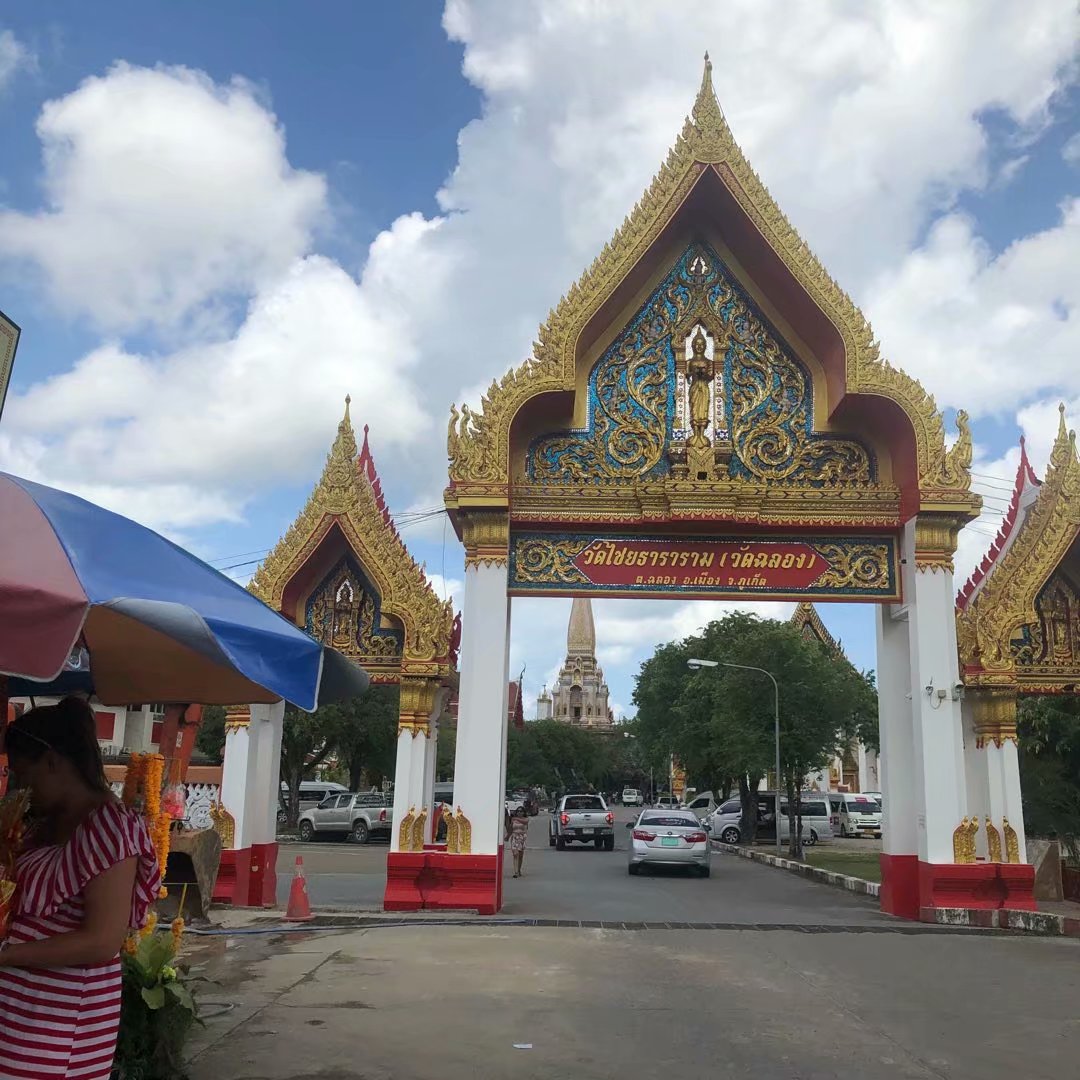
[{"x": 580, "y": 697}]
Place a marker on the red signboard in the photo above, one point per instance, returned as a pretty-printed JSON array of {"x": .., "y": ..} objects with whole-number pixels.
[{"x": 704, "y": 564}]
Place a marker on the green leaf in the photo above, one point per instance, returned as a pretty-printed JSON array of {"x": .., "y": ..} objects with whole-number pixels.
[
  {"x": 182, "y": 995},
  {"x": 154, "y": 997}
]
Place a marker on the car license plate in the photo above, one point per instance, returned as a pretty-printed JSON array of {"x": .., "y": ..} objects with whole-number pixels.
[
  {"x": 669, "y": 841},
  {"x": 586, "y": 832}
]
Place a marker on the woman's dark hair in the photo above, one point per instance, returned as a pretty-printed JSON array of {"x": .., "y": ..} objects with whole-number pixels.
[{"x": 68, "y": 729}]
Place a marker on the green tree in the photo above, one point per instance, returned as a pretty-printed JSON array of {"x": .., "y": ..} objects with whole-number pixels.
[
  {"x": 307, "y": 740},
  {"x": 210, "y": 739},
  {"x": 719, "y": 722},
  {"x": 1049, "y": 738},
  {"x": 365, "y": 740}
]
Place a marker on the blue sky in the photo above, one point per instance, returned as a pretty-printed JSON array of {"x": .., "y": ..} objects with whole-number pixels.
[{"x": 217, "y": 220}]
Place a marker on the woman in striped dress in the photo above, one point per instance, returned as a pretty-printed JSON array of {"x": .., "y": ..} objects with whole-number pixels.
[{"x": 87, "y": 872}]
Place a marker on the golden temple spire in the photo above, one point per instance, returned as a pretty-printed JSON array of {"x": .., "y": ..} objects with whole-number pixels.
[
  {"x": 344, "y": 448},
  {"x": 581, "y": 633},
  {"x": 1065, "y": 443}
]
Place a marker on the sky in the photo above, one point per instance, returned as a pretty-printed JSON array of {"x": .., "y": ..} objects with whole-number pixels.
[{"x": 218, "y": 220}]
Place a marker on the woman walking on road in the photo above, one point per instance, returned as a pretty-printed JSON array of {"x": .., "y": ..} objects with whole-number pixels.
[{"x": 519, "y": 832}]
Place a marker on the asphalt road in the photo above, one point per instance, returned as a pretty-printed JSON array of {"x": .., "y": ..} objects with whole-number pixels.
[
  {"x": 582, "y": 883},
  {"x": 452, "y": 1002}
]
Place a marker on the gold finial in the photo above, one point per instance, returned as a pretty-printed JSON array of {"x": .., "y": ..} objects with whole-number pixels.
[
  {"x": 708, "y": 133},
  {"x": 348, "y": 402},
  {"x": 1063, "y": 448}
]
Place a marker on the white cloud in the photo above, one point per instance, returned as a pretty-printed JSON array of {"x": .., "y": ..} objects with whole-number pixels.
[
  {"x": 14, "y": 57},
  {"x": 983, "y": 332},
  {"x": 165, "y": 192},
  {"x": 1071, "y": 149}
]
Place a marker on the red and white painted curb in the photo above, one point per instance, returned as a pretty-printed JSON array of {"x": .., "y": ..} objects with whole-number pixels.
[{"x": 1033, "y": 922}]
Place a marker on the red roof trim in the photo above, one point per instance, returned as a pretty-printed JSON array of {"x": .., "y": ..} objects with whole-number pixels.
[
  {"x": 365, "y": 465},
  {"x": 1025, "y": 476}
]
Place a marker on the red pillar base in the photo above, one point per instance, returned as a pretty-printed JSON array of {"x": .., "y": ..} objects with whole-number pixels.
[
  {"x": 432, "y": 880},
  {"x": 247, "y": 877},
  {"x": 1018, "y": 881},
  {"x": 900, "y": 885}
]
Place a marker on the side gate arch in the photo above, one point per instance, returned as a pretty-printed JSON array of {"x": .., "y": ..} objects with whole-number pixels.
[{"x": 706, "y": 414}]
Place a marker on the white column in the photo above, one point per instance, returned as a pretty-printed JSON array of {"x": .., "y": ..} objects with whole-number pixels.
[
  {"x": 1012, "y": 806},
  {"x": 417, "y": 744},
  {"x": 897, "y": 763},
  {"x": 479, "y": 762},
  {"x": 251, "y": 774},
  {"x": 981, "y": 799},
  {"x": 938, "y": 729}
]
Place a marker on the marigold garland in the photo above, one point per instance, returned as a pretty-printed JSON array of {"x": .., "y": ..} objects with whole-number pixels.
[
  {"x": 155, "y": 770},
  {"x": 133, "y": 779}
]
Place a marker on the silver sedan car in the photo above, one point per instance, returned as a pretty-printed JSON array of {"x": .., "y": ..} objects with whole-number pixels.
[{"x": 669, "y": 838}]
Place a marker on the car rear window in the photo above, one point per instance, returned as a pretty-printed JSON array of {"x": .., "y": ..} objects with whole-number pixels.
[
  {"x": 669, "y": 821},
  {"x": 583, "y": 802}
]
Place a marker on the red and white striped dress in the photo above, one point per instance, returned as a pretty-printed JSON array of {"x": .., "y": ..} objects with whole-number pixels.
[{"x": 63, "y": 1021}]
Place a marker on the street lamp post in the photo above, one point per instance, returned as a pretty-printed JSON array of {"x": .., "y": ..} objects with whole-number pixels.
[{"x": 694, "y": 664}]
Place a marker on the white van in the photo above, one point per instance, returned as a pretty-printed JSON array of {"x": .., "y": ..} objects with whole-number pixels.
[
  {"x": 854, "y": 815},
  {"x": 702, "y": 805},
  {"x": 814, "y": 811},
  {"x": 632, "y": 797}
]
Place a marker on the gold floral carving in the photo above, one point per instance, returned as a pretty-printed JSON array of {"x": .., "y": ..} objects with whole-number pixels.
[
  {"x": 1012, "y": 842},
  {"x": 993, "y": 714},
  {"x": 224, "y": 825},
  {"x": 935, "y": 540},
  {"x": 346, "y": 499},
  {"x": 464, "y": 833},
  {"x": 405, "y": 830},
  {"x": 862, "y": 565},
  {"x": 486, "y": 535},
  {"x": 478, "y": 443},
  {"x": 452, "y": 845},
  {"x": 416, "y": 704},
  {"x": 546, "y": 561},
  {"x": 418, "y": 830},
  {"x": 963, "y": 840},
  {"x": 237, "y": 717},
  {"x": 990, "y": 629},
  {"x": 993, "y": 841}
]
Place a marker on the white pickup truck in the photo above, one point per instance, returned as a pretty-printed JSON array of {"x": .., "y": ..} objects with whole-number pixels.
[
  {"x": 582, "y": 819},
  {"x": 357, "y": 816}
]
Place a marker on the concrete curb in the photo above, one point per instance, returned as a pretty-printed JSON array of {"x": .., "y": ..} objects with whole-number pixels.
[
  {"x": 814, "y": 873},
  {"x": 1047, "y": 923}
]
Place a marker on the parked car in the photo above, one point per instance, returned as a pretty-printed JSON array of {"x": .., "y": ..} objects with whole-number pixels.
[
  {"x": 632, "y": 797},
  {"x": 669, "y": 838},
  {"x": 724, "y": 821},
  {"x": 854, "y": 815},
  {"x": 582, "y": 819},
  {"x": 358, "y": 817},
  {"x": 312, "y": 792},
  {"x": 668, "y": 802},
  {"x": 702, "y": 805}
]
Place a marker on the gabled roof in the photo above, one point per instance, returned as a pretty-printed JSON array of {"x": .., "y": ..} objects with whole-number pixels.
[
  {"x": 806, "y": 618},
  {"x": 349, "y": 498},
  {"x": 1001, "y": 602},
  {"x": 1024, "y": 490},
  {"x": 706, "y": 173}
]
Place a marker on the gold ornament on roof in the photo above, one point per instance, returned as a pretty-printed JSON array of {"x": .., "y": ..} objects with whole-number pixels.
[
  {"x": 478, "y": 442},
  {"x": 1001, "y": 630},
  {"x": 348, "y": 496}
]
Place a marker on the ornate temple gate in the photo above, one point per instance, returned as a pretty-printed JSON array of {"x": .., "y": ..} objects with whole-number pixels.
[
  {"x": 706, "y": 414},
  {"x": 1018, "y": 627},
  {"x": 342, "y": 572}
]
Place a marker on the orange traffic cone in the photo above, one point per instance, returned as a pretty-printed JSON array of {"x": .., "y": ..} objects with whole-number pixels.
[{"x": 299, "y": 909}]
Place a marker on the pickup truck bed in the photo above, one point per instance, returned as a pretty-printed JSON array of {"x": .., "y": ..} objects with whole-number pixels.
[{"x": 582, "y": 819}]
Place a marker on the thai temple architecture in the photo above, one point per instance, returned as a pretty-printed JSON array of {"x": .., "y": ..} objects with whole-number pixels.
[
  {"x": 1018, "y": 632},
  {"x": 857, "y": 768},
  {"x": 342, "y": 572},
  {"x": 707, "y": 414},
  {"x": 580, "y": 696}
]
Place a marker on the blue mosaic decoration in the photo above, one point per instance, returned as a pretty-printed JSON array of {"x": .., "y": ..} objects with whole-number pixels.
[
  {"x": 767, "y": 395},
  {"x": 344, "y": 612}
]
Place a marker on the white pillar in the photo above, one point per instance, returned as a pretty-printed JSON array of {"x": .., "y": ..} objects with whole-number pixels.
[
  {"x": 1012, "y": 805},
  {"x": 251, "y": 774},
  {"x": 897, "y": 767},
  {"x": 417, "y": 745},
  {"x": 935, "y": 701},
  {"x": 479, "y": 761},
  {"x": 982, "y": 800}
]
